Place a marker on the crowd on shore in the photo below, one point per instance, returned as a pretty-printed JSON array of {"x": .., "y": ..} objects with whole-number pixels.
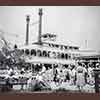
[{"x": 67, "y": 77}]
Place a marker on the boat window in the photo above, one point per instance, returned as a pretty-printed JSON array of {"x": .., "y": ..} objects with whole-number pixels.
[
  {"x": 54, "y": 54},
  {"x": 27, "y": 52},
  {"x": 73, "y": 55},
  {"x": 70, "y": 47},
  {"x": 49, "y": 53},
  {"x": 62, "y": 55},
  {"x": 58, "y": 55},
  {"x": 33, "y": 52},
  {"x": 69, "y": 56},
  {"x": 52, "y": 45},
  {"x": 61, "y": 47},
  {"x": 39, "y": 53},
  {"x": 56, "y": 46},
  {"x": 22, "y": 51},
  {"x": 66, "y": 47},
  {"x": 66, "y": 56},
  {"x": 76, "y": 48},
  {"x": 45, "y": 54}
]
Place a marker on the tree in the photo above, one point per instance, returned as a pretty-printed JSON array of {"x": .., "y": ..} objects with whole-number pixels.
[{"x": 8, "y": 55}]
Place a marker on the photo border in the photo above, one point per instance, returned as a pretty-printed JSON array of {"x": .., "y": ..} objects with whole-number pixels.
[{"x": 49, "y": 96}]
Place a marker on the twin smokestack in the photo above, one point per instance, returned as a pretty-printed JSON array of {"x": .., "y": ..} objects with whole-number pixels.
[
  {"x": 27, "y": 29},
  {"x": 40, "y": 27}
]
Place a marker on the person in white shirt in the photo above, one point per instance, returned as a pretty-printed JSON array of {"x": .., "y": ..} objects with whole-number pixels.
[
  {"x": 64, "y": 73},
  {"x": 29, "y": 83},
  {"x": 68, "y": 75},
  {"x": 90, "y": 74},
  {"x": 59, "y": 72},
  {"x": 73, "y": 74},
  {"x": 80, "y": 76},
  {"x": 43, "y": 69},
  {"x": 10, "y": 72}
]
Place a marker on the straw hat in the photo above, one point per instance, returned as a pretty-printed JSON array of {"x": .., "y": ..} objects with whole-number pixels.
[{"x": 97, "y": 64}]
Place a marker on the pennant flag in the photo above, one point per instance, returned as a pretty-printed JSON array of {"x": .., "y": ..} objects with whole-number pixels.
[{"x": 34, "y": 23}]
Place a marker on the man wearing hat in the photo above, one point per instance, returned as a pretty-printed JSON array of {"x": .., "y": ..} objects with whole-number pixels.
[{"x": 97, "y": 66}]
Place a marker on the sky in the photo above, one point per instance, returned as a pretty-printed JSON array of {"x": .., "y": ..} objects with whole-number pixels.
[{"x": 73, "y": 25}]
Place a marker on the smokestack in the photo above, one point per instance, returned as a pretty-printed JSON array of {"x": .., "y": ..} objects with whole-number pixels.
[
  {"x": 27, "y": 29},
  {"x": 40, "y": 25}
]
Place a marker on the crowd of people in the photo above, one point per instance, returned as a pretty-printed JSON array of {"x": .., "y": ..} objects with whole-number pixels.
[
  {"x": 57, "y": 76},
  {"x": 78, "y": 75}
]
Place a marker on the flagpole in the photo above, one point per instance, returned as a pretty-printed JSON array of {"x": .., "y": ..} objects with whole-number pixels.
[{"x": 86, "y": 45}]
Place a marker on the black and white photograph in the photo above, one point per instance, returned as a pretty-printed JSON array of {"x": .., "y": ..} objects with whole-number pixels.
[{"x": 49, "y": 49}]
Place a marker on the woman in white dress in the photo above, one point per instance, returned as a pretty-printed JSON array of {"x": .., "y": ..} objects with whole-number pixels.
[{"x": 80, "y": 77}]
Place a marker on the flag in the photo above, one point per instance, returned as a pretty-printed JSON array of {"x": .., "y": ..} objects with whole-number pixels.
[
  {"x": 48, "y": 36},
  {"x": 34, "y": 23}
]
